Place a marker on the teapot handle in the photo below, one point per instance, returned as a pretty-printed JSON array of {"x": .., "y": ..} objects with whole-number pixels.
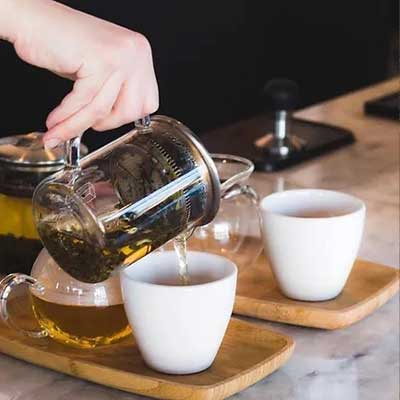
[
  {"x": 143, "y": 123},
  {"x": 249, "y": 192},
  {"x": 73, "y": 153},
  {"x": 238, "y": 189},
  {"x": 72, "y": 147},
  {"x": 7, "y": 284}
]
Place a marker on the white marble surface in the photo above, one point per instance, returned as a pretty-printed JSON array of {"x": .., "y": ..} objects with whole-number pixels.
[{"x": 360, "y": 362}]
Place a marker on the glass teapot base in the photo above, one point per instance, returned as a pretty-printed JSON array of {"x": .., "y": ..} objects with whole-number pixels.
[{"x": 97, "y": 325}]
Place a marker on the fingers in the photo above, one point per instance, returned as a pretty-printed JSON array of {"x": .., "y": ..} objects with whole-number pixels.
[
  {"x": 130, "y": 106},
  {"x": 139, "y": 94},
  {"x": 83, "y": 92},
  {"x": 130, "y": 92},
  {"x": 86, "y": 116}
]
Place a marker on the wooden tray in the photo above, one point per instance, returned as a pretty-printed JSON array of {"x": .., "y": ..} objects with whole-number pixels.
[
  {"x": 248, "y": 354},
  {"x": 368, "y": 288}
]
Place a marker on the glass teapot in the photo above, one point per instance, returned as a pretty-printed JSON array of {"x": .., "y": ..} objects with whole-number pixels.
[
  {"x": 24, "y": 162},
  {"x": 69, "y": 311},
  {"x": 235, "y": 232},
  {"x": 126, "y": 199}
]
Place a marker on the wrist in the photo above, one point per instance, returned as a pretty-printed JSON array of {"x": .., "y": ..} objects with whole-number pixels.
[
  {"x": 14, "y": 18},
  {"x": 9, "y": 24}
]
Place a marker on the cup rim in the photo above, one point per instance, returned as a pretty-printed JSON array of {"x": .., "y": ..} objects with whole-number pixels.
[
  {"x": 359, "y": 204},
  {"x": 124, "y": 274}
]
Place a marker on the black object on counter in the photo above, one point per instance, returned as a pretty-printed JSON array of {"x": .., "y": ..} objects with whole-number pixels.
[
  {"x": 387, "y": 106},
  {"x": 277, "y": 141}
]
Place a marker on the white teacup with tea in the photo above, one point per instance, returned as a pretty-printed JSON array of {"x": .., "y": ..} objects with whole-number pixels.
[
  {"x": 179, "y": 326},
  {"x": 311, "y": 238}
]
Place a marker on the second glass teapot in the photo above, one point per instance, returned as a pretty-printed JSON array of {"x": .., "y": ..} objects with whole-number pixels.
[{"x": 125, "y": 199}]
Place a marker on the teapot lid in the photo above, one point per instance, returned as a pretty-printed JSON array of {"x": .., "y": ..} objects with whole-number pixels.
[{"x": 29, "y": 150}]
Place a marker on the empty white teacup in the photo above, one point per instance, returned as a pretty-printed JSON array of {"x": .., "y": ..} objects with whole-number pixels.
[
  {"x": 179, "y": 329},
  {"x": 311, "y": 238}
]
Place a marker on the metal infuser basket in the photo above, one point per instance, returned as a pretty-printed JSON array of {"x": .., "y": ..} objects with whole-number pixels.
[{"x": 126, "y": 199}]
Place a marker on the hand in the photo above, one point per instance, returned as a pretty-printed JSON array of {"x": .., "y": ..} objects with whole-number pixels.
[{"x": 112, "y": 66}]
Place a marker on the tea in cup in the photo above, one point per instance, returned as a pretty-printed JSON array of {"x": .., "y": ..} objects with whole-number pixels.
[
  {"x": 311, "y": 238},
  {"x": 179, "y": 326}
]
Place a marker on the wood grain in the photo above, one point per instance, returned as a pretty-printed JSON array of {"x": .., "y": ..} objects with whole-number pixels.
[
  {"x": 369, "y": 286},
  {"x": 248, "y": 354}
]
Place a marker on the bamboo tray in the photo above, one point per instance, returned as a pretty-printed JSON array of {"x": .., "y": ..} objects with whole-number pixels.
[
  {"x": 248, "y": 354},
  {"x": 369, "y": 286}
]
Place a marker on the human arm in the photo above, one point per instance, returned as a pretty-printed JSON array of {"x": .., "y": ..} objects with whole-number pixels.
[{"x": 112, "y": 66}]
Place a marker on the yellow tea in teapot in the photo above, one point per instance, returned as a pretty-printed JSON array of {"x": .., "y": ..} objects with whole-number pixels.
[
  {"x": 67, "y": 310},
  {"x": 81, "y": 325}
]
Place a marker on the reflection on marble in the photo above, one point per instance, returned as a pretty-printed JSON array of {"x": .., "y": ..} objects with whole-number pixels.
[{"x": 357, "y": 363}]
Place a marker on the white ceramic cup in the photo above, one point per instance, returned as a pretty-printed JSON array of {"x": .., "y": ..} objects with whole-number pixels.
[
  {"x": 311, "y": 257},
  {"x": 179, "y": 329}
]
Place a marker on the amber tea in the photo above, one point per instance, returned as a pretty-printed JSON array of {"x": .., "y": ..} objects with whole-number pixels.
[
  {"x": 180, "y": 245},
  {"x": 84, "y": 326}
]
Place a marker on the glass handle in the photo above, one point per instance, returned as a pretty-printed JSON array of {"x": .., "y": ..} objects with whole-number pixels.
[
  {"x": 7, "y": 284},
  {"x": 249, "y": 192},
  {"x": 237, "y": 190}
]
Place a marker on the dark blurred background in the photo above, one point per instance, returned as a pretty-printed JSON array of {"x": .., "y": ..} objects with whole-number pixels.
[{"x": 212, "y": 58}]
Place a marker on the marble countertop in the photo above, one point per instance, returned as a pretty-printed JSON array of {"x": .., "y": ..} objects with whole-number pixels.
[{"x": 359, "y": 362}]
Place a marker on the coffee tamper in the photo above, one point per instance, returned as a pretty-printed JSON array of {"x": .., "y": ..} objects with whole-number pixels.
[
  {"x": 276, "y": 140},
  {"x": 281, "y": 97}
]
